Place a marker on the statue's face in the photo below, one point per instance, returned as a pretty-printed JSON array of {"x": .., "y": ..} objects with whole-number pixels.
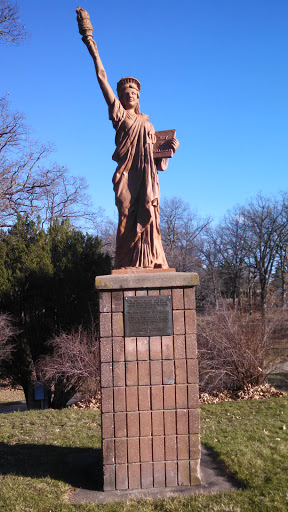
[{"x": 129, "y": 97}]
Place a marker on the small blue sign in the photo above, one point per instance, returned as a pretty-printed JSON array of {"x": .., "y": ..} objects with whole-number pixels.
[{"x": 38, "y": 391}]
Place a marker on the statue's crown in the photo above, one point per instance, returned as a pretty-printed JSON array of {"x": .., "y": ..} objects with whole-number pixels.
[{"x": 127, "y": 80}]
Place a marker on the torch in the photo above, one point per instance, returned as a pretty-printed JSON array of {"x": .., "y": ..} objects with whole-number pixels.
[{"x": 84, "y": 24}]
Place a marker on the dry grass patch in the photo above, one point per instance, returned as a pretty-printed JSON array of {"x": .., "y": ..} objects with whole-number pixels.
[{"x": 9, "y": 394}]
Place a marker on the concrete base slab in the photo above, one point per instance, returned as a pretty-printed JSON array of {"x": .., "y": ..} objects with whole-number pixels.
[
  {"x": 147, "y": 280},
  {"x": 213, "y": 476}
]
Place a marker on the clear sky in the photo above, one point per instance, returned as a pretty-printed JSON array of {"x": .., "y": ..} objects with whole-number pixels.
[{"x": 216, "y": 70}]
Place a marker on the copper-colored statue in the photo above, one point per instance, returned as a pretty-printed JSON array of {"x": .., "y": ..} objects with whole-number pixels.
[{"x": 135, "y": 181}]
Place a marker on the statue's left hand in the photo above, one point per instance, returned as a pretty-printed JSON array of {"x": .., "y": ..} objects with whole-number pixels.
[{"x": 161, "y": 164}]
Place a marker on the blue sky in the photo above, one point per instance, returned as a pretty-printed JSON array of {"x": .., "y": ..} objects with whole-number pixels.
[{"x": 216, "y": 70}]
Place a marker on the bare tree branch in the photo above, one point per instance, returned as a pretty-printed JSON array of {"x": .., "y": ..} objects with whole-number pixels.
[
  {"x": 11, "y": 28},
  {"x": 180, "y": 228}
]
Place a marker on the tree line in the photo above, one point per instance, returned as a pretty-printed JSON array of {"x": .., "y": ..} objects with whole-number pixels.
[{"x": 243, "y": 258}]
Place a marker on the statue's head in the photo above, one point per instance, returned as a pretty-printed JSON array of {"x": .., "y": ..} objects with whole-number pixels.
[{"x": 128, "y": 90}]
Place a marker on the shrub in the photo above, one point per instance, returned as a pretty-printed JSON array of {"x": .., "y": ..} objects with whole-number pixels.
[
  {"x": 234, "y": 348},
  {"x": 72, "y": 366}
]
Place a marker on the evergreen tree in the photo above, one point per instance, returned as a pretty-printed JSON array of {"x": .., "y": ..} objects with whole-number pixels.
[{"x": 47, "y": 284}]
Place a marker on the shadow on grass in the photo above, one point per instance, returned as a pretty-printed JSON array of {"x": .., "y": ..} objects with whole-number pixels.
[
  {"x": 6, "y": 407},
  {"x": 79, "y": 467},
  {"x": 219, "y": 468},
  {"x": 82, "y": 467}
]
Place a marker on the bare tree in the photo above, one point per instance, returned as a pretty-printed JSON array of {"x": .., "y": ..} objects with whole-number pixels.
[
  {"x": 13, "y": 130},
  {"x": 282, "y": 252},
  {"x": 30, "y": 184},
  {"x": 180, "y": 227},
  {"x": 233, "y": 251},
  {"x": 241, "y": 254},
  {"x": 22, "y": 184},
  {"x": 63, "y": 196},
  {"x": 11, "y": 28},
  {"x": 282, "y": 270},
  {"x": 49, "y": 191},
  {"x": 209, "y": 290},
  {"x": 21, "y": 179},
  {"x": 266, "y": 227},
  {"x": 106, "y": 228}
]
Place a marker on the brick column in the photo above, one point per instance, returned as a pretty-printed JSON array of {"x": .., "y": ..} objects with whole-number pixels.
[{"x": 149, "y": 387}]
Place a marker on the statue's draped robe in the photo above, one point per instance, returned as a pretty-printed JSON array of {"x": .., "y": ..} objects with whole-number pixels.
[{"x": 137, "y": 193}]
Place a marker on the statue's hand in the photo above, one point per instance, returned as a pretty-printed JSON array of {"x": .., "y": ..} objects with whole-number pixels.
[
  {"x": 91, "y": 45},
  {"x": 161, "y": 164},
  {"x": 174, "y": 144}
]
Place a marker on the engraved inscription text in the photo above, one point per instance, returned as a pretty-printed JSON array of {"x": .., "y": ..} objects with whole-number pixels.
[{"x": 148, "y": 316}]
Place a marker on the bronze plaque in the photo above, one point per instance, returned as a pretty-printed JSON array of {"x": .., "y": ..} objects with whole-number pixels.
[{"x": 148, "y": 316}]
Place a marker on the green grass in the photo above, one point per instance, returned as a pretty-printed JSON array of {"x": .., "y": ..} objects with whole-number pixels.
[{"x": 39, "y": 451}]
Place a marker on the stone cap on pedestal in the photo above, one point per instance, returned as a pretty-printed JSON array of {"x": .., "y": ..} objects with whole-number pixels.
[{"x": 155, "y": 280}]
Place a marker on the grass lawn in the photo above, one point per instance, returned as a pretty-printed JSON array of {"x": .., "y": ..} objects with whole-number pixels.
[{"x": 38, "y": 450}]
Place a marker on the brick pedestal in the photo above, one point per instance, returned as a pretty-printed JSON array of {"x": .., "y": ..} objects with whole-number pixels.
[{"x": 149, "y": 387}]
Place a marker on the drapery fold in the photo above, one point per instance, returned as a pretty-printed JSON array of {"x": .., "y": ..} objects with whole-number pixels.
[{"x": 136, "y": 190}]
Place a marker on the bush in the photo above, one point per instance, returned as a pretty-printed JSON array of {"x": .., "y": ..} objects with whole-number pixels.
[
  {"x": 234, "y": 349},
  {"x": 73, "y": 365}
]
